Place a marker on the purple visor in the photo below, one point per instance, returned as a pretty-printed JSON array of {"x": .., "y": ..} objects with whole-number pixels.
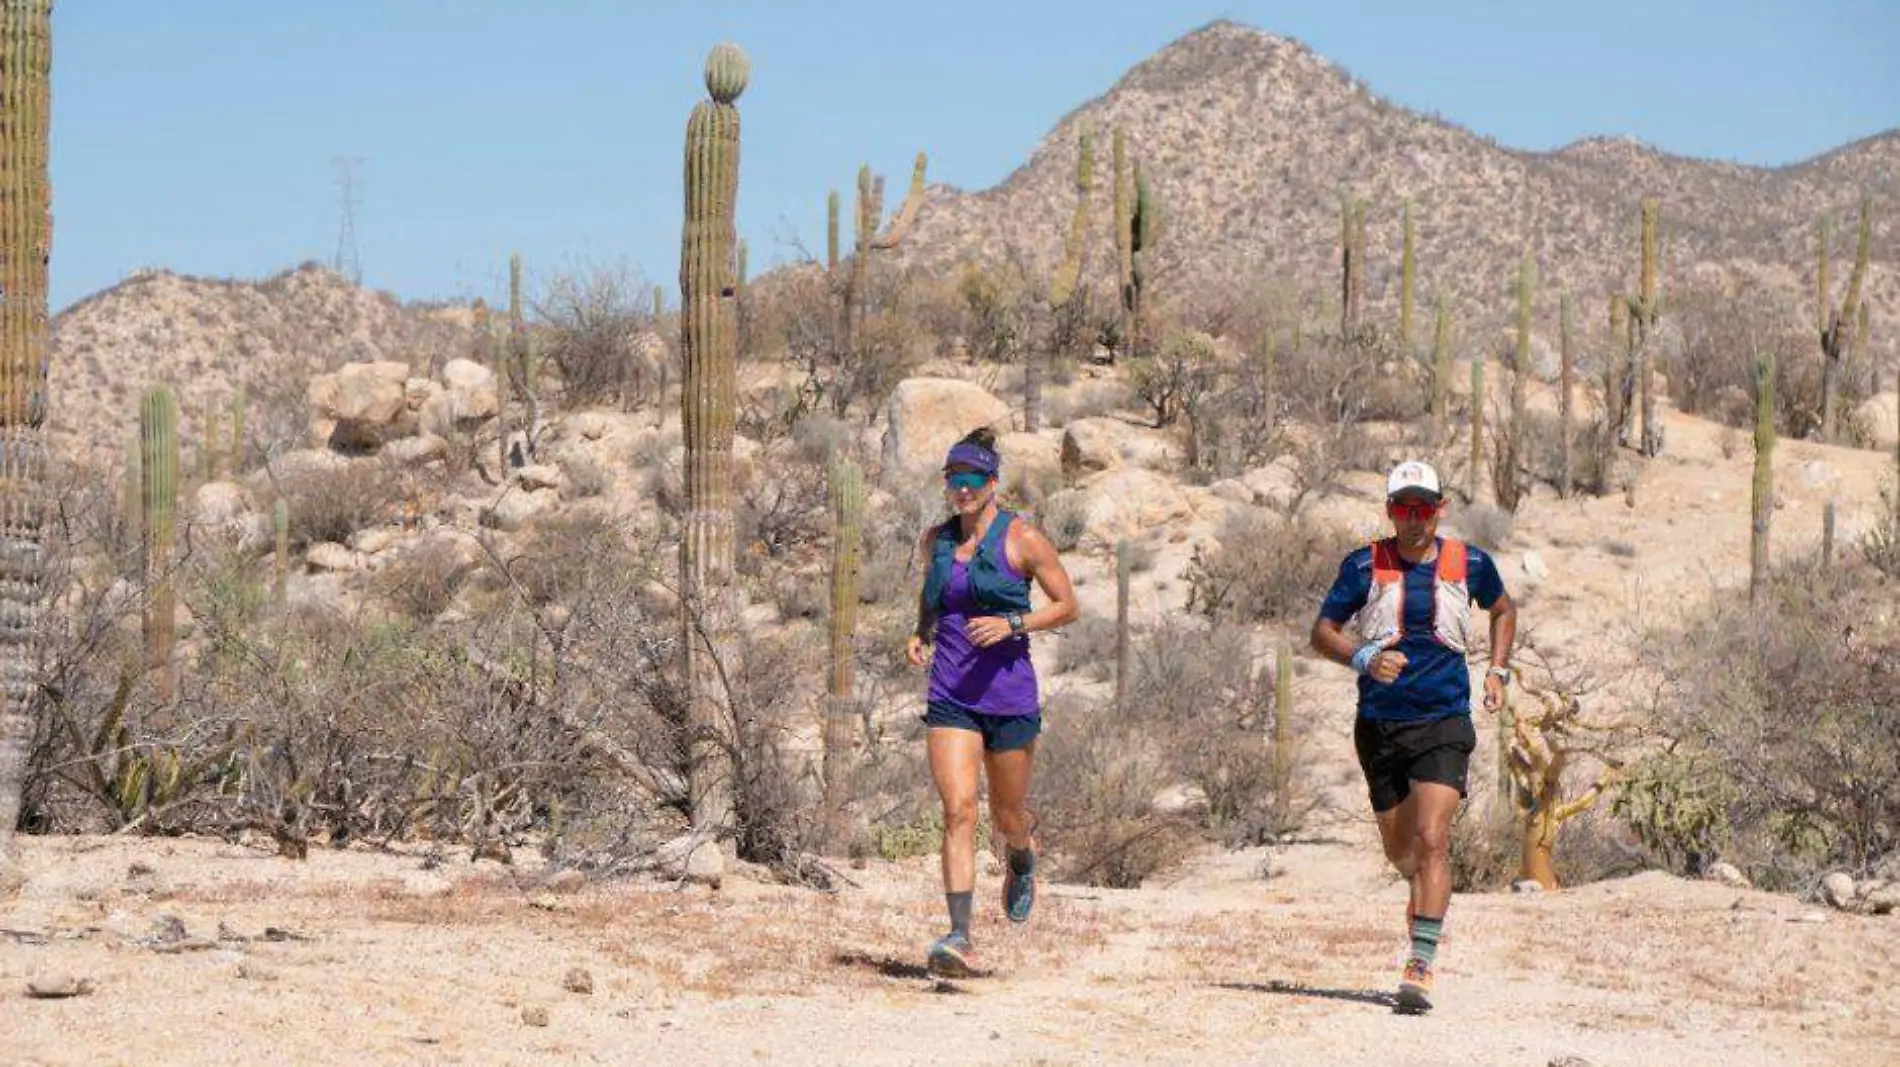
[{"x": 973, "y": 456}]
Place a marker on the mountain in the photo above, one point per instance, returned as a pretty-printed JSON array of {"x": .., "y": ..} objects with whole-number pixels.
[
  {"x": 209, "y": 338},
  {"x": 1250, "y": 140}
]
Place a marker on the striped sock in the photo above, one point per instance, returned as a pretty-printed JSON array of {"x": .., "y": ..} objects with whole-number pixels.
[{"x": 1425, "y": 934}]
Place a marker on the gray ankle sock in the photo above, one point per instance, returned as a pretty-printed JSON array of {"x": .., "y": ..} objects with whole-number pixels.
[{"x": 960, "y": 911}]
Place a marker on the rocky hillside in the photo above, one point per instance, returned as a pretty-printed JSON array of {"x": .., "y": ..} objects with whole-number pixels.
[
  {"x": 1250, "y": 141},
  {"x": 210, "y": 338}
]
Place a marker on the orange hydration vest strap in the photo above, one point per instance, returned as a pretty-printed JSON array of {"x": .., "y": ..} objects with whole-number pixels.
[{"x": 1388, "y": 568}]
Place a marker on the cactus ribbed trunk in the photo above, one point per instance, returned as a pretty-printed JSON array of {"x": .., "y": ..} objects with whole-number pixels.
[
  {"x": 158, "y": 478},
  {"x": 1441, "y": 369},
  {"x": 707, "y": 398},
  {"x": 847, "y": 528},
  {"x": 1511, "y": 460},
  {"x": 1406, "y": 271},
  {"x": 1566, "y": 401},
  {"x": 1645, "y": 318},
  {"x": 1827, "y": 536},
  {"x": 1839, "y": 325},
  {"x": 1123, "y": 571},
  {"x": 1616, "y": 386},
  {"x": 1144, "y": 228},
  {"x": 831, "y": 232},
  {"x": 1282, "y": 765},
  {"x": 280, "y": 556},
  {"x": 1124, "y": 240},
  {"x": 1352, "y": 250},
  {"x": 26, "y": 231},
  {"x": 1477, "y": 428},
  {"x": 1762, "y": 503},
  {"x": 906, "y": 211}
]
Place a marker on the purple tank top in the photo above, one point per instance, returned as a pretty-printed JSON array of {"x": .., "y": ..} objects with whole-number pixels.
[{"x": 998, "y": 680}]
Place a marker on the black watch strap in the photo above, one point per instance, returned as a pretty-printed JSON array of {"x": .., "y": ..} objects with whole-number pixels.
[{"x": 1015, "y": 620}]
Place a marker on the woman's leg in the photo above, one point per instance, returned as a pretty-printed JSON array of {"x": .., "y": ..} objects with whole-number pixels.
[
  {"x": 1009, "y": 774},
  {"x": 956, "y": 756}
]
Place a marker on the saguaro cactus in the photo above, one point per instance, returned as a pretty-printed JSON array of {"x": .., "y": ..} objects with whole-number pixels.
[
  {"x": 1144, "y": 230},
  {"x": 1352, "y": 267},
  {"x": 1123, "y": 570},
  {"x": 1441, "y": 368},
  {"x": 1566, "y": 400},
  {"x": 907, "y": 211},
  {"x": 1511, "y": 447},
  {"x": 708, "y": 392},
  {"x": 280, "y": 558},
  {"x": 1065, "y": 287},
  {"x": 1124, "y": 238},
  {"x": 26, "y": 230},
  {"x": 831, "y": 232},
  {"x": 847, "y": 531},
  {"x": 1644, "y": 311},
  {"x": 1838, "y": 324},
  {"x": 1762, "y": 502},
  {"x": 158, "y": 479},
  {"x": 1477, "y": 428},
  {"x": 1282, "y": 765},
  {"x": 1406, "y": 271}
]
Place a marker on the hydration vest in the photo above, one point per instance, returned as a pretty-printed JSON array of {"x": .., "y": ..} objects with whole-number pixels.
[
  {"x": 1384, "y": 613},
  {"x": 995, "y": 588}
]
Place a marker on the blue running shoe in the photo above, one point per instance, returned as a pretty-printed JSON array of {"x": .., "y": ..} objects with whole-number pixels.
[{"x": 1019, "y": 889}]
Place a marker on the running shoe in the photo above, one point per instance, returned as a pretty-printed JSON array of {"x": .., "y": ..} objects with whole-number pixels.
[
  {"x": 951, "y": 957},
  {"x": 1019, "y": 891},
  {"x": 1415, "y": 986}
]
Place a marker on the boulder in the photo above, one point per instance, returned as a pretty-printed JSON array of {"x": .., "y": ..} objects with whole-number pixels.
[
  {"x": 1879, "y": 417},
  {"x": 927, "y": 415},
  {"x": 416, "y": 451},
  {"x": 360, "y": 405},
  {"x": 1124, "y": 503},
  {"x": 540, "y": 476},
  {"x": 1838, "y": 889},
  {"x": 1092, "y": 445},
  {"x": 1032, "y": 465},
  {"x": 693, "y": 858},
  {"x": 515, "y": 510},
  {"x": 330, "y": 556},
  {"x": 1728, "y": 874}
]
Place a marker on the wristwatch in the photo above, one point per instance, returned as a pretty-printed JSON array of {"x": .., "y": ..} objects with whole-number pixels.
[
  {"x": 1015, "y": 620},
  {"x": 1502, "y": 674}
]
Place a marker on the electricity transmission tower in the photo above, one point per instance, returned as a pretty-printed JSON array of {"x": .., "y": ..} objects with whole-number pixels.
[{"x": 346, "y": 262}]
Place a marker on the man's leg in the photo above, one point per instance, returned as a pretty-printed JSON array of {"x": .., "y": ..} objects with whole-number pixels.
[
  {"x": 1428, "y": 811},
  {"x": 1396, "y": 834}
]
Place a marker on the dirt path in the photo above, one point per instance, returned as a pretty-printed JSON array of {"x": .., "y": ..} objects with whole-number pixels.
[{"x": 356, "y": 957}]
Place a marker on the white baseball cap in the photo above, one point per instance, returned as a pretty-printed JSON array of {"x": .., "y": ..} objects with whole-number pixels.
[{"x": 1412, "y": 475}]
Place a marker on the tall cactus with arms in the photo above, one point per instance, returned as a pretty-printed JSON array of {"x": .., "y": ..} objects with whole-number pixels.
[
  {"x": 847, "y": 526},
  {"x": 708, "y": 352},
  {"x": 158, "y": 474},
  {"x": 26, "y": 230}
]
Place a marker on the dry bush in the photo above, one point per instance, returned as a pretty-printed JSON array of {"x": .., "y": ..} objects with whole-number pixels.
[
  {"x": 422, "y": 581},
  {"x": 597, "y": 323},
  {"x": 1266, "y": 569},
  {"x": 1065, "y": 518},
  {"x": 330, "y": 504},
  {"x": 1712, "y": 372},
  {"x": 1783, "y": 738},
  {"x": 1484, "y": 851},
  {"x": 1482, "y": 524},
  {"x": 1098, "y": 772},
  {"x": 1088, "y": 646}
]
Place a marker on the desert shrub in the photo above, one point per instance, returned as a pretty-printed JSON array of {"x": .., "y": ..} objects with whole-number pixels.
[
  {"x": 596, "y": 337},
  {"x": 1482, "y": 524},
  {"x": 1266, "y": 569},
  {"x": 1712, "y": 372},
  {"x": 330, "y": 504},
  {"x": 1064, "y": 517},
  {"x": 1484, "y": 850},
  {"x": 422, "y": 581},
  {"x": 1098, "y": 772},
  {"x": 1088, "y": 646},
  {"x": 586, "y": 476},
  {"x": 1784, "y": 742}
]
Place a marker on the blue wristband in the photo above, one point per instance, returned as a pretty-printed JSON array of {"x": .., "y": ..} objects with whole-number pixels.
[{"x": 1362, "y": 659}]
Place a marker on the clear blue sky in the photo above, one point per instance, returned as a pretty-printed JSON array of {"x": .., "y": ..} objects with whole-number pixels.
[{"x": 198, "y": 135}]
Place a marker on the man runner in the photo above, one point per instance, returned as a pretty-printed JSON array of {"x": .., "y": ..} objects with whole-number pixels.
[{"x": 1400, "y": 614}]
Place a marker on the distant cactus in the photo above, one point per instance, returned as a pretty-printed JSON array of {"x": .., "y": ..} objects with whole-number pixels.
[
  {"x": 209, "y": 459},
  {"x": 907, "y": 211},
  {"x": 847, "y": 532},
  {"x": 1644, "y": 312},
  {"x": 1511, "y": 461},
  {"x": 1441, "y": 368},
  {"x": 1827, "y": 536},
  {"x": 708, "y": 395},
  {"x": 1762, "y": 495},
  {"x": 1617, "y": 382},
  {"x": 1124, "y": 568},
  {"x": 280, "y": 558},
  {"x": 1477, "y": 428},
  {"x": 831, "y": 232},
  {"x": 1144, "y": 231},
  {"x": 1065, "y": 287},
  {"x": 240, "y": 455},
  {"x": 1407, "y": 269},
  {"x": 1352, "y": 267},
  {"x": 1566, "y": 400},
  {"x": 1124, "y": 237},
  {"x": 1840, "y": 325},
  {"x": 158, "y": 473}
]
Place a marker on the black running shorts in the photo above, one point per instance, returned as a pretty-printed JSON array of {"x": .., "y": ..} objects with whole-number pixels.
[{"x": 1394, "y": 753}]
